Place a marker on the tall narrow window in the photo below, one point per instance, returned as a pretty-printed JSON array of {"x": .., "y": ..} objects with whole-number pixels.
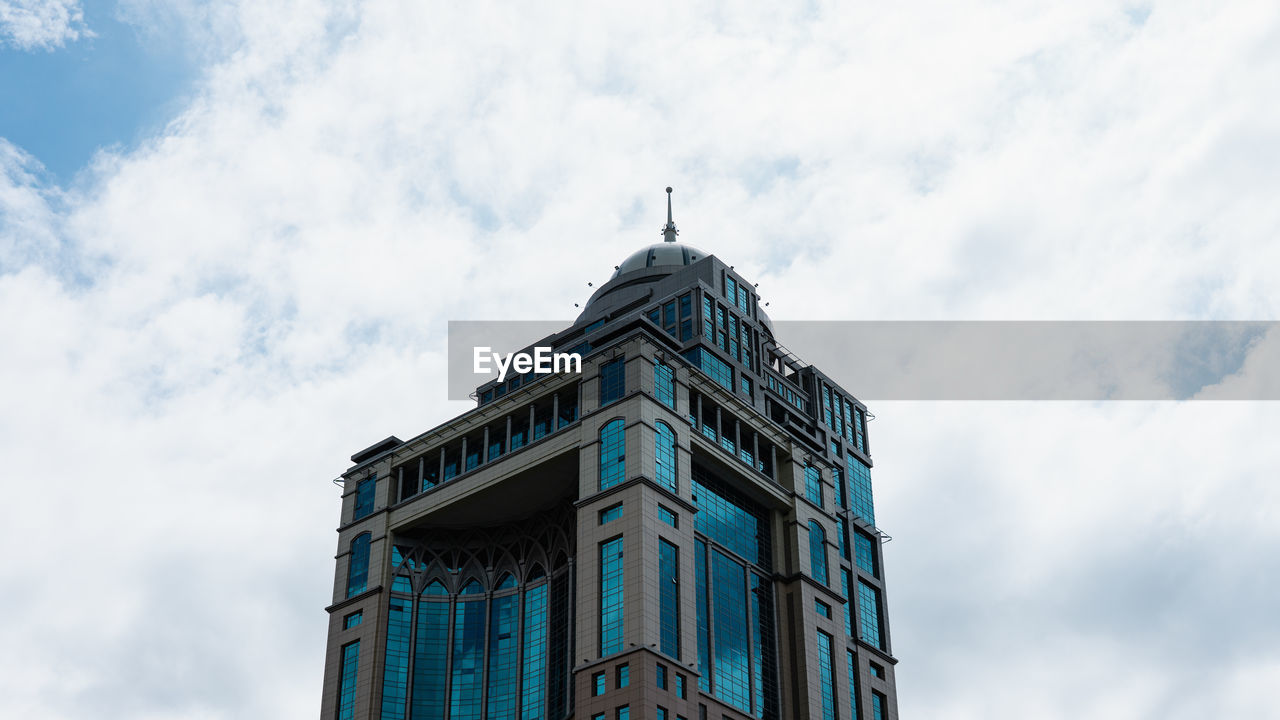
[
  {"x": 467, "y": 672},
  {"x": 860, "y": 501},
  {"x": 613, "y": 381},
  {"x": 500, "y": 699},
  {"x": 613, "y": 453},
  {"x": 865, "y": 551},
  {"x": 535, "y": 653},
  {"x": 869, "y": 614},
  {"x": 837, "y": 478},
  {"x": 347, "y": 681},
  {"x": 848, "y": 592},
  {"x": 664, "y": 385},
  {"x": 358, "y": 565},
  {"x": 364, "y": 497},
  {"x": 665, "y": 455},
  {"x": 818, "y": 552},
  {"x": 395, "y": 673},
  {"x": 877, "y": 705},
  {"x": 855, "y": 697},
  {"x": 730, "y": 668},
  {"x": 826, "y": 679},
  {"x": 704, "y": 615},
  {"x": 611, "y": 596},
  {"x": 813, "y": 485},
  {"x": 669, "y": 598},
  {"x": 429, "y": 659}
]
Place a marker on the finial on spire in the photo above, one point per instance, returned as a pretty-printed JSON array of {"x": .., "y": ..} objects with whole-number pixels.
[{"x": 669, "y": 230}]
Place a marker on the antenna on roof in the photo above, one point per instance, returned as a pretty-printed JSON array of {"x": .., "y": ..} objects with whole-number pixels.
[{"x": 669, "y": 230}]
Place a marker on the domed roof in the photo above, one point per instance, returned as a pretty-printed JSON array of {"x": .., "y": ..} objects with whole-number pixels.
[{"x": 657, "y": 255}]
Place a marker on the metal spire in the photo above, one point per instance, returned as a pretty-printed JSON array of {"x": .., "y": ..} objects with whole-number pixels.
[{"x": 669, "y": 230}]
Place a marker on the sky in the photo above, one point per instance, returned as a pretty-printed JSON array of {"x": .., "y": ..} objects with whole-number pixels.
[{"x": 232, "y": 235}]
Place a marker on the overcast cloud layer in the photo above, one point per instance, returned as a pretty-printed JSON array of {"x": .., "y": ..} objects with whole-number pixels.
[{"x": 197, "y": 331}]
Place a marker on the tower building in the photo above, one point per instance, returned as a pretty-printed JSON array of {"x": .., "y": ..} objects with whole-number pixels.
[{"x": 682, "y": 531}]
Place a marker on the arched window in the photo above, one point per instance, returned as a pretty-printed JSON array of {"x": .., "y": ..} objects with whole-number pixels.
[
  {"x": 818, "y": 552},
  {"x": 613, "y": 453},
  {"x": 358, "y": 565},
  {"x": 507, "y": 582},
  {"x": 665, "y": 439}
]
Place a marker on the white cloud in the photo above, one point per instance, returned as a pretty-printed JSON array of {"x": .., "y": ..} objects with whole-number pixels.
[
  {"x": 199, "y": 334},
  {"x": 41, "y": 24}
]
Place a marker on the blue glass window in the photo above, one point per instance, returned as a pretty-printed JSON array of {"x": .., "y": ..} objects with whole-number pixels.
[
  {"x": 730, "y": 519},
  {"x": 837, "y": 478},
  {"x": 358, "y": 565},
  {"x": 395, "y": 673},
  {"x": 730, "y": 289},
  {"x": 613, "y": 453},
  {"x": 841, "y": 533},
  {"x": 859, "y": 420},
  {"x": 762, "y": 664},
  {"x": 736, "y": 659},
  {"x": 501, "y": 696},
  {"x": 730, "y": 644},
  {"x": 667, "y": 516},
  {"x": 599, "y": 686},
  {"x": 708, "y": 328},
  {"x": 665, "y": 455},
  {"x": 624, "y": 676},
  {"x": 855, "y": 698},
  {"x": 430, "y": 662},
  {"x": 353, "y": 620},
  {"x": 364, "y": 497},
  {"x": 848, "y": 591},
  {"x": 611, "y": 513},
  {"x": 704, "y": 616},
  {"x": 669, "y": 598},
  {"x": 877, "y": 705},
  {"x": 613, "y": 381},
  {"x": 662, "y": 713},
  {"x": 664, "y": 385},
  {"x": 826, "y": 679},
  {"x": 623, "y": 713},
  {"x": 680, "y": 686},
  {"x": 713, "y": 366},
  {"x": 468, "y": 656},
  {"x": 660, "y": 675},
  {"x": 347, "y": 681},
  {"x": 535, "y": 653},
  {"x": 866, "y": 553},
  {"x": 813, "y": 485},
  {"x": 611, "y": 597},
  {"x": 860, "y": 501},
  {"x": 822, "y": 608},
  {"x": 869, "y": 614},
  {"x": 818, "y": 552}
]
